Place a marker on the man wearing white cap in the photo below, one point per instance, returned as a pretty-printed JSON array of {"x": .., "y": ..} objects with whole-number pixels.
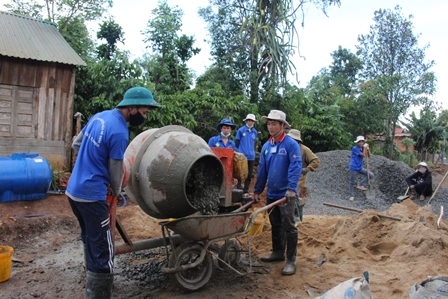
[
  {"x": 246, "y": 136},
  {"x": 359, "y": 151},
  {"x": 420, "y": 182},
  {"x": 280, "y": 167}
]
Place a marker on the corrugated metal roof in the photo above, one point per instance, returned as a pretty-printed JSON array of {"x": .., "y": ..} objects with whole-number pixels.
[{"x": 27, "y": 38}]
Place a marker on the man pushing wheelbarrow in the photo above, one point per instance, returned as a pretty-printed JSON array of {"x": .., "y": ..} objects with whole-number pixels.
[{"x": 280, "y": 166}]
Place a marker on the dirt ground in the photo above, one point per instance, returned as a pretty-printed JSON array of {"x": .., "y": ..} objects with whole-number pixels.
[{"x": 48, "y": 256}]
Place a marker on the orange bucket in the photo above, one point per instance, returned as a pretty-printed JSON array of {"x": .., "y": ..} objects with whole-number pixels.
[{"x": 6, "y": 253}]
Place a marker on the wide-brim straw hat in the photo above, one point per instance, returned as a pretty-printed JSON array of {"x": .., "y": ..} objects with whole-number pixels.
[
  {"x": 295, "y": 134},
  {"x": 276, "y": 115},
  {"x": 359, "y": 138},
  {"x": 250, "y": 116}
]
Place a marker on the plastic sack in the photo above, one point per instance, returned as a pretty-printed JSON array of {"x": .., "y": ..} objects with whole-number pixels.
[
  {"x": 240, "y": 169},
  {"x": 354, "y": 288},
  {"x": 432, "y": 287}
]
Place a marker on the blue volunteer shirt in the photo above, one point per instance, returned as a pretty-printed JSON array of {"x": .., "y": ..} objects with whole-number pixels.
[
  {"x": 216, "y": 141},
  {"x": 105, "y": 136},
  {"x": 247, "y": 139},
  {"x": 280, "y": 166},
  {"x": 356, "y": 158}
]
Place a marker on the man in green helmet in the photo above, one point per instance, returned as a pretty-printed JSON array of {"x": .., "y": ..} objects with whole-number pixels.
[{"x": 99, "y": 165}]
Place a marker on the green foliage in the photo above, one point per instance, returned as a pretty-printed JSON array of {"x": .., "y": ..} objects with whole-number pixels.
[
  {"x": 394, "y": 63},
  {"x": 167, "y": 66},
  {"x": 101, "y": 84},
  {"x": 112, "y": 33},
  {"x": 256, "y": 39},
  {"x": 60, "y": 12},
  {"x": 426, "y": 131}
]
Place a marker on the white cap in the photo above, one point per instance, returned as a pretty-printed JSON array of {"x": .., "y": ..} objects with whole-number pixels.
[
  {"x": 250, "y": 116},
  {"x": 359, "y": 138},
  {"x": 423, "y": 164}
]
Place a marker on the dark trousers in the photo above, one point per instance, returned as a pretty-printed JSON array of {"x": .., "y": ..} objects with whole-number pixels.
[
  {"x": 282, "y": 217},
  {"x": 250, "y": 167},
  {"x": 93, "y": 218}
]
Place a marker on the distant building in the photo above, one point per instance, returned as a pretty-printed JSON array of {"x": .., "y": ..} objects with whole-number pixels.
[
  {"x": 398, "y": 140},
  {"x": 37, "y": 82}
]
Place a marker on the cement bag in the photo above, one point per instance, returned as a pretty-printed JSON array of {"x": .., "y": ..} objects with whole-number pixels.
[
  {"x": 431, "y": 288},
  {"x": 240, "y": 170},
  {"x": 355, "y": 288}
]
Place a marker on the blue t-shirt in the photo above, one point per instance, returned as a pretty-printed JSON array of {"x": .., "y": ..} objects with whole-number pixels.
[
  {"x": 356, "y": 158},
  {"x": 105, "y": 137},
  {"x": 280, "y": 166},
  {"x": 216, "y": 141},
  {"x": 247, "y": 142}
]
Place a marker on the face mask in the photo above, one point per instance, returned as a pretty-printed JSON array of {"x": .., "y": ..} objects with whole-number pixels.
[
  {"x": 249, "y": 126},
  {"x": 422, "y": 169},
  {"x": 225, "y": 135},
  {"x": 136, "y": 119}
]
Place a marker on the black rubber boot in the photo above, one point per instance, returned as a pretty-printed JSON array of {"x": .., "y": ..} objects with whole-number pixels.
[
  {"x": 291, "y": 252},
  {"x": 278, "y": 247},
  {"x": 99, "y": 285}
]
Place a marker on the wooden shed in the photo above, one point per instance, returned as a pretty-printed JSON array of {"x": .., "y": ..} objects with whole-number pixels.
[{"x": 37, "y": 81}]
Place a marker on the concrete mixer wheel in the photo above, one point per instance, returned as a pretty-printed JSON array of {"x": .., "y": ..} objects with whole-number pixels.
[
  {"x": 230, "y": 253},
  {"x": 197, "y": 277}
]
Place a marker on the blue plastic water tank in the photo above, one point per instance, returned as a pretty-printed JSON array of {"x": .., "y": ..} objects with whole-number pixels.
[{"x": 24, "y": 176}]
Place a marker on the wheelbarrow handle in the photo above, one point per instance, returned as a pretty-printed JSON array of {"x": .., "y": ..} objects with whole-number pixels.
[
  {"x": 244, "y": 207},
  {"x": 265, "y": 208}
]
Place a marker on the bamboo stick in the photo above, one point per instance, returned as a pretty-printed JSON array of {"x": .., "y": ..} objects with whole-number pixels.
[{"x": 359, "y": 211}]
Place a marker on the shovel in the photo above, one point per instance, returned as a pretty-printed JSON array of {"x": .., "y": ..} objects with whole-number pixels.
[
  {"x": 370, "y": 193},
  {"x": 428, "y": 205},
  {"x": 403, "y": 197}
]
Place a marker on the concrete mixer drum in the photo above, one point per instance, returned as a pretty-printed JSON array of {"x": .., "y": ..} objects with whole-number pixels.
[{"x": 171, "y": 173}]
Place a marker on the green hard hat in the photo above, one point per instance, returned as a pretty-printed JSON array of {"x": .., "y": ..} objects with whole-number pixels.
[{"x": 138, "y": 96}]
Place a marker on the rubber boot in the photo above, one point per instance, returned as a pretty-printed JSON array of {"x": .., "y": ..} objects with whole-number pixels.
[
  {"x": 278, "y": 247},
  {"x": 291, "y": 252},
  {"x": 99, "y": 285}
]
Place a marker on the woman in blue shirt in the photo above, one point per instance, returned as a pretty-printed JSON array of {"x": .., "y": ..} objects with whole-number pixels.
[{"x": 223, "y": 140}]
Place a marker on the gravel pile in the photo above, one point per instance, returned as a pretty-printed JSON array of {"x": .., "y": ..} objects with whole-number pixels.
[{"x": 330, "y": 184}]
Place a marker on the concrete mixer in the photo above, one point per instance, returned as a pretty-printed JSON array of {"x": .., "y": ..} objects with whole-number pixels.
[{"x": 172, "y": 174}]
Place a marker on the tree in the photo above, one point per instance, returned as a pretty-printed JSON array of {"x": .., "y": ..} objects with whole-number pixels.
[
  {"x": 257, "y": 39},
  {"x": 394, "y": 63},
  {"x": 427, "y": 131},
  {"x": 167, "y": 64},
  {"x": 112, "y": 33},
  {"x": 344, "y": 70},
  {"x": 60, "y": 12}
]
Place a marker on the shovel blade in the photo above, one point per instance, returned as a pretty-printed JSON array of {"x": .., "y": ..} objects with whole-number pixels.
[
  {"x": 403, "y": 197},
  {"x": 370, "y": 193}
]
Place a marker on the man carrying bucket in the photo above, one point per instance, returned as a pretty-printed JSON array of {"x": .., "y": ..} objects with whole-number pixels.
[
  {"x": 280, "y": 166},
  {"x": 99, "y": 165},
  {"x": 246, "y": 137}
]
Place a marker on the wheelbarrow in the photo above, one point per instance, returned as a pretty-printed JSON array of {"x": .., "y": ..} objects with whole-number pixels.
[{"x": 191, "y": 263}]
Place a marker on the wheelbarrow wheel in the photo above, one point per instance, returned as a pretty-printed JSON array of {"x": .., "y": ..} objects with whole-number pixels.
[
  {"x": 230, "y": 253},
  {"x": 197, "y": 277}
]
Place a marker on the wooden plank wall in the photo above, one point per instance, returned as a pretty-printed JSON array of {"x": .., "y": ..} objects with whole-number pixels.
[{"x": 41, "y": 93}]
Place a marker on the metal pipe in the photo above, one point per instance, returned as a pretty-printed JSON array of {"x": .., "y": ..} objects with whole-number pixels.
[
  {"x": 359, "y": 211},
  {"x": 147, "y": 244}
]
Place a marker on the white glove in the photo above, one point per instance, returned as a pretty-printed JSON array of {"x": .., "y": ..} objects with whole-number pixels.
[{"x": 366, "y": 145}]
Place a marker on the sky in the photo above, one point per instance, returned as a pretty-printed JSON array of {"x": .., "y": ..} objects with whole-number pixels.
[{"x": 320, "y": 36}]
